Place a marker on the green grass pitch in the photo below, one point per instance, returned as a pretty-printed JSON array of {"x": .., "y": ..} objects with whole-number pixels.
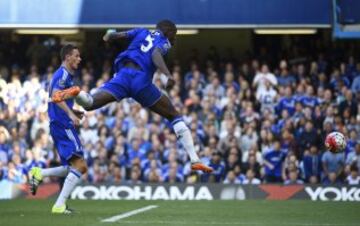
[{"x": 177, "y": 213}]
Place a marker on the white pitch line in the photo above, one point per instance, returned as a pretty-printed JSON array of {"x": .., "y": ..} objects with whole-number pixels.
[
  {"x": 128, "y": 214},
  {"x": 233, "y": 223}
]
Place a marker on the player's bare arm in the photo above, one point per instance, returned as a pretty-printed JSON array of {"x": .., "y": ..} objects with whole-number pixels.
[
  {"x": 112, "y": 35},
  {"x": 159, "y": 62}
]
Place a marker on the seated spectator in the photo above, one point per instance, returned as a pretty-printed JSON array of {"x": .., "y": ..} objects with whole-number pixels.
[
  {"x": 218, "y": 166},
  {"x": 287, "y": 102},
  {"x": 232, "y": 160},
  {"x": 273, "y": 163},
  {"x": 308, "y": 137},
  {"x": 355, "y": 87},
  {"x": 16, "y": 173},
  {"x": 353, "y": 158},
  {"x": 250, "y": 178},
  {"x": 311, "y": 164},
  {"x": 173, "y": 176},
  {"x": 333, "y": 167},
  {"x": 309, "y": 100},
  {"x": 313, "y": 180},
  {"x": 153, "y": 177},
  {"x": 231, "y": 178},
  {"x": 290, "y": 164},
  {"x": 353, "y": 178},
  {"x": 248, "y": 140},
  {"x": 350, "y": 103},
  {"x": 115, "y": 176},
  {"x": 293, "y": 178}
]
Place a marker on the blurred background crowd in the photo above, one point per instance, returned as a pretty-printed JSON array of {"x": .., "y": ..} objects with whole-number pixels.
[{"x": 259, "y": 118}]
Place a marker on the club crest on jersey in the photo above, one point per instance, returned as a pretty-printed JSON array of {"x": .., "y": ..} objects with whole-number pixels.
[{"x": 62, "y": 83}]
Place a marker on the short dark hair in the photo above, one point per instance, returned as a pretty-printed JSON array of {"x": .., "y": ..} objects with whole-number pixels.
[
  {"x": 66, "y": 50},
  {"x": 354, "y": 167},
  {"x": 166, "y": 25}
]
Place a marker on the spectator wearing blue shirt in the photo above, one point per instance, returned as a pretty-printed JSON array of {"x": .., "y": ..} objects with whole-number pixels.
[
  {"x": 136, "y": 151},
  {"x": 312, "y": 164},
  {"x": 273, "y": 161},
  {"x": 351, "y": 142},
  {"x": 353, "y": 158},
  {"x": 333, "y": 166},
  {"x": 309, "y": 100},
  {"x": 218, "y": 166},
  {"x": 288, "y": 102},
  {"x": 337, "y": 81},
  {"x": 286, "y": 79},
  {"x": 355, "y": 87}
]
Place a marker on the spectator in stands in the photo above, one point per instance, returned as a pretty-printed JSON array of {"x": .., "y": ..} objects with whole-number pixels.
[
  {"x": 262, "y": 77},
  {"x": 267, "y": 97},
  {"x": 287, "y": 102},
  {"x": 353, "y": 178},
  {"x": 285, "y": 78},
  {"x": 309, "y": 136},
  {"x": 250, "y": 178},
  {"x": 293, "y": 178},
  {"x": 353, "y": 158},
  {"x": 126, "y": 144},
  {"x": 218, "y": 166},
  {"x": 231, "y": 178},
  {"x": 348, "y": 103},
  {"x": 355, "y": 87},
  {"x": 273, "y": 162},
  {"x": 312, "y": 164},
  {"x": 333, "y": 167}
]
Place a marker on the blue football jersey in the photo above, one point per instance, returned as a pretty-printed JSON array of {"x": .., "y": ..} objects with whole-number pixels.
[
  {"x": 61, "y": 79},
  {"x": 143, "y": 42},
  {"x": 287, "y": 103}
]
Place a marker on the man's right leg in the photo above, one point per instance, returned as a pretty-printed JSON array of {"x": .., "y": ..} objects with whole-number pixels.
[
  {"x": 114, "y": 90},
  {"x": 94, "y": 101}
]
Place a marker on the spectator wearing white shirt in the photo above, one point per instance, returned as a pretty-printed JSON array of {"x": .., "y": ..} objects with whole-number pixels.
[
  {"x": 261, "y": 78},
  {"x": 231, "y": 178},
  {"x": 248, "y": 140},
  {"x": 267, "y": 97},
  {"x": 250, "y": 178}
]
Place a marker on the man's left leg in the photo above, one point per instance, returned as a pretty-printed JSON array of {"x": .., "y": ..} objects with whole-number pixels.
[{"x": 165, "y": 108}]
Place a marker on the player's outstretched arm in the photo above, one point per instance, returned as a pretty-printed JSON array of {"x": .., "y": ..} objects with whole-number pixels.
[
  {"x": 159, "y": 62},
  {"x": 112, "y": 35}
]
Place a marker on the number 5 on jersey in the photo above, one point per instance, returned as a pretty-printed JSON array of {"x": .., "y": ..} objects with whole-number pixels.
[{"x": 146, "y": 48}]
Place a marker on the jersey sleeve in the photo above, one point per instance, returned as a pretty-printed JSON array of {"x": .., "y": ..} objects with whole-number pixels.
[
  {"x": 164, "y": 47},
  {"x": 62, "y": 82}
]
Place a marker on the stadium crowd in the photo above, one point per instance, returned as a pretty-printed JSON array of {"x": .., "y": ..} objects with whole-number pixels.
[{"x": 252, "y": 121}]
